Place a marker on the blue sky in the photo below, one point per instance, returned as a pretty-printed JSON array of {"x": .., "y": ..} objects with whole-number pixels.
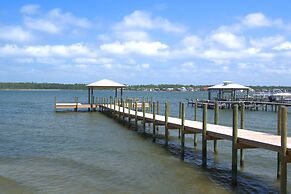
[{"x": 146, "y": 42}]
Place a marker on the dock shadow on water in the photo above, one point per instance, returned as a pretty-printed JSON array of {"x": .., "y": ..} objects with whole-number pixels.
[{"x": 218, "y": 172}]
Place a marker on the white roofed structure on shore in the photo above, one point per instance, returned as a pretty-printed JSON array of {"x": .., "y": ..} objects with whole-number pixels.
[{"x": 227, "y": 87}]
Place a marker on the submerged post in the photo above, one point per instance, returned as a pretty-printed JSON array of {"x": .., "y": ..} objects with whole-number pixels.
[
  {"x": 204, "y": 141},
  {"x": 283, "y": 154},
  {"x": 154, "y": 121},
  {"x": 216, "y": 118},
  {"x": 234, "y": 142},
  {"x": 182, "y": 130},
  {"x": 242, "y": 126},
  {"x": 167, "y": 111},
  {"x": 55, "y": 103}
]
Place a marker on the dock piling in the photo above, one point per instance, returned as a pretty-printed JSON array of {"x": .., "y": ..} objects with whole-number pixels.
[
  {"x": 242, "y": 126},
  {"x": 195, "y": 119},
  {"x": 143, "y": 115},
  {"x": 283, "y": 154},
  {"x": 154, "y": 121},
  {"x": 167, "y": 112},
  {"x": 204, "y": 139},
  {"x": 216, "y": 119},
  {"x": 234, "y": 143},
  {"x": 182, "y": 130}
]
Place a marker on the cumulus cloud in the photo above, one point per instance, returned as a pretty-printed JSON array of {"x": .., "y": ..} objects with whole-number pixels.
[
  {"x": 55, "y": 21},
  {"x": 137, "y": 47},
  {"x": 144, "y": 20},
  {"x": 229, "y": 40},
  {"x": 256, "y": 20},
  {"x": 62, "y": 51},
  {"x": 29, "y": 9},
  {"x": 15, "y": 34},
  {"x": 283, "y": 46}
]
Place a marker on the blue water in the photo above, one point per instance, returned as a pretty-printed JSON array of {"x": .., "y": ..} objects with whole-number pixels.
[{"x": 42, "y": 151}]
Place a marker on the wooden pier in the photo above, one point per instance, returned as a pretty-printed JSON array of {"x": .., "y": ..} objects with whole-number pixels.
[
  {"x": 250, "y": 105},
  {"x": 241, "y": 138}
]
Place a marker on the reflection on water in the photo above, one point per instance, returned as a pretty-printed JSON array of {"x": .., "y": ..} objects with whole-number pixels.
[{"x": 46, "y": 152}]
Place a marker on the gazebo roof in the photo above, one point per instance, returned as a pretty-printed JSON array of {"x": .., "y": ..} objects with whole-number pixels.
[
  {"x": 106, "y": 83},
  {"x": 228, "y": 85}
]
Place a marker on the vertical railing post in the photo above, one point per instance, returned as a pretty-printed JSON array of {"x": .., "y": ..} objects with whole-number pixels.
[
  {"x": 158, "y": 113},
  {"x": 129, "y": 109},
  {"x": 204, "y": 138},
  {"x": 283, "y": 153},
  {"x": 180, "y": 116},
  {"x": 234, "y": 144}
]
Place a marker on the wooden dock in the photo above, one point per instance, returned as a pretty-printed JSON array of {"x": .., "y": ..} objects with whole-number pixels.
[{"x": 241, "y": 138}]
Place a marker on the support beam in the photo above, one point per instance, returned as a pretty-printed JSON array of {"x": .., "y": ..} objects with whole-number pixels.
[
  {"x": 234, "y": 142},
  {"x": 135, "y": 109},
  {"x": 204, "y": 133}
]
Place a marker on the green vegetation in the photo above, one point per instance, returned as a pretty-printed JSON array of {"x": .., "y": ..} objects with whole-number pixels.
[{"x": 32, "y": 85}]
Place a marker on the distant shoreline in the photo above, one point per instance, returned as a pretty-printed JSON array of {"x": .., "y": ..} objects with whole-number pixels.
[{"x": 26, "y": 86}]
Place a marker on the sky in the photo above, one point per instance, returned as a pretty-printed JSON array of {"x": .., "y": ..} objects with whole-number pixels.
[{"x": 146, "y": 42}]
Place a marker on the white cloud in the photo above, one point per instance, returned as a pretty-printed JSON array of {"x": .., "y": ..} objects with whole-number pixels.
[
  {"x": 143, "y": 20},
  {"x": 193, "y": 41},
  {"x": 133, "y": 35},
  {"x": 256, "y": 20},
  {"x": 283, "y": 46},
  {"x": 145, "y": 65},
  {"x": 229, "y": 40},
  {"x": 137, "y": 47},
  {"x": 62, "y": 51},
  {"x": 267, "y": 42},
  {"x": 55, "y": 21},
  {"x": 29, "y": 9},
  {"x": 15, "y": 34}
]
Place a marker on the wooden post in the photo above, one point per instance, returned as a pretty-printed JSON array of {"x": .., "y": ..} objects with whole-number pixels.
[
  {"x": 76, "y": 101},
  {"x": 55, "y": 103},
  {"x": 119, "y": 108},
  {"x": 158, "y": 112},
  {"x": 123, "y": 111},
  {"x": 129, "y": 108},
  {"x": 154, "y": 121},
  {"x": 143, "y": 114},
  {"x": 167, "y": 112},
  {"x": 114, "y": 107},
  {"x": 180, "y": 116},
  {"x": 283, "y": 154},
  {"x": 234, "y": 142},
  {"x": 242, "y": 126},
  {"x": 278, "y": 133},
  {"x": 195, "y": 119},
  {"x": 135, "y": 108},
  {"x": 216, "y": 119},
  {"x": 89, "y": 98},
  {"x": 182, "y": 130},
  {"x": 204, "y": 141}
]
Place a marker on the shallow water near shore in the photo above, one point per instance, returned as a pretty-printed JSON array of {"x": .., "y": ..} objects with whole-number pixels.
[{"x": 42, "y": 151}]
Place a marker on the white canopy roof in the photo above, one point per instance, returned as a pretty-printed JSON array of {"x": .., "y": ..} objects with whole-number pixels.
[
  {"x": 106, "y": 83},
  {"x": 228, "y": 85}
]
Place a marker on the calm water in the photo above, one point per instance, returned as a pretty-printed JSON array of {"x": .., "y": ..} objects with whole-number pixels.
[{"x": 87, "y": 152}]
